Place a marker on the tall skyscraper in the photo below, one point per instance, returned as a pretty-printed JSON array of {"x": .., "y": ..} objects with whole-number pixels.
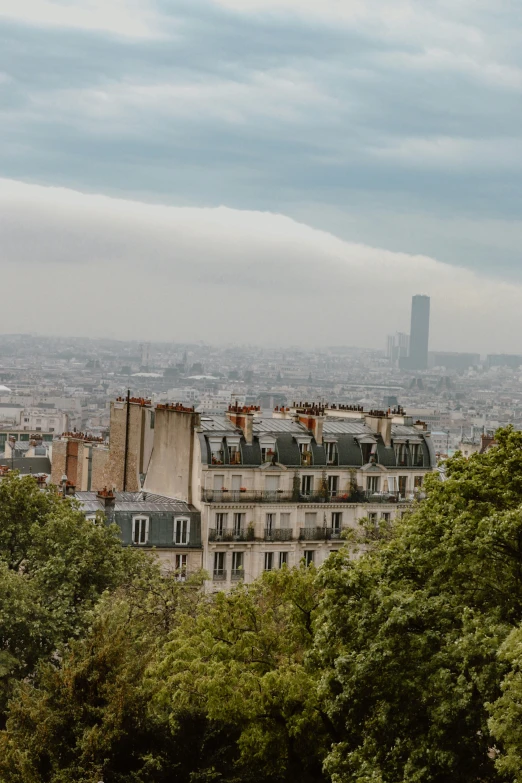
[{"x": 419, "y": 332}]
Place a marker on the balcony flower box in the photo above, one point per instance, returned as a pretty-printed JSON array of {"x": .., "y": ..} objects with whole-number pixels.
[
  {"x": 242, "y": 489},
  {"x": 224, "y": 489}
]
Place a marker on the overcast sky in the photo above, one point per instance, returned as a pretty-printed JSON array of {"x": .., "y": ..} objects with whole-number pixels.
[{"x": 269, "y": 171}]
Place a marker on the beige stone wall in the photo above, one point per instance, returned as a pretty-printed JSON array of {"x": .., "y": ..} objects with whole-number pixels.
[
  {"x": 100, "y": 455},
  {"x": 58, "y": 461},
  {"x": 170, "y": 471},
  {"x": 114, "y": 467}
]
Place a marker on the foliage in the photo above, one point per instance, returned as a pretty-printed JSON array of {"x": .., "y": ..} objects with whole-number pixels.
[
  {"x": 240, "y": 660},
  {"x": 54, "y": 566},
  {"x": 409, "y": 634}
]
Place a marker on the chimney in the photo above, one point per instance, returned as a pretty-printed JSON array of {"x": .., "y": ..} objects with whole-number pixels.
[
  {"x": 380, "y": 423},
  {"x": 421, "y": 425},
  {"x": 106, "y": 497},
  {"x": 243, "y": 417},
  {"x": 314, "y": 423}
]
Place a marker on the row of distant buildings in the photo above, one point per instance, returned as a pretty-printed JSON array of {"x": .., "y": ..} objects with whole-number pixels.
[{"x": 241, "y": 492}]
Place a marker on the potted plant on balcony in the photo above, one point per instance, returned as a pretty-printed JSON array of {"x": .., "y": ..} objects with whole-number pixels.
[
  {"x": 242, "y": 489},
  {"x": 250, "y": 533}
]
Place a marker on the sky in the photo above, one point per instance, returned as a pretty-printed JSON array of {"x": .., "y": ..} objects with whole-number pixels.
[{"x": 270, "y": 171}]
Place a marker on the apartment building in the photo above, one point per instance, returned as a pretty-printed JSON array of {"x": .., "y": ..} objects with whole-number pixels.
[{"x": 281, "y": 489}]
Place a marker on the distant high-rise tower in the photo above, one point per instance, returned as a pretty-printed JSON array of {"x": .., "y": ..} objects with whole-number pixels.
[{"x": 419, "y": 332}]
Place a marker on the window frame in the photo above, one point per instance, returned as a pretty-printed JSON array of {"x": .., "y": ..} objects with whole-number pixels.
[
  {"x": 139, "y": 518},
  {"x": 178, "y": 523},
  {"x": 269, "y": 561}
]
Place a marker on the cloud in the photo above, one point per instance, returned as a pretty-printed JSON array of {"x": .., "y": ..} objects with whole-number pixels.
[
  {"x": 397, "y": 123},
  {"x": 101, "y": 266}
]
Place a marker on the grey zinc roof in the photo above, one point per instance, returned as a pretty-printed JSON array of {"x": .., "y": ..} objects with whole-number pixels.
[
  {"x": 217, "y": 424},
  {"x": 134, "y": 501},
  {"x": 277, "y": 426},
  {"x": 345, "y": 427}
]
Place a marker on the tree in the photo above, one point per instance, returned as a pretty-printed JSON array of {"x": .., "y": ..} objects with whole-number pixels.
[
  {"x": 85, "y": 717},
  {"x": 54, "y": 566},
  {"x": 408, "y": 642},
  {"x": 241, "y": 662}
]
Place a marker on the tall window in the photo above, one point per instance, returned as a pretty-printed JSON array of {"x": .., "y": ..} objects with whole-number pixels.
[
  {"x": 140, "y": 530},
  {"x": 417, "y": 482},
  {"x": 309, "y": 556},
  {"x": 270, "y": 523},
  {"x": 219, "y": 565},
  {"x": 237, "y": 565},
  {"x": 333, "y": 485},
  {"x": 269, "y": 561},
  {"x": 400, "y": 454},
  {"x": 267, "y": 453},
  {"x": 234, "y": 455},
  {"x": 310, "y": 519},
  {"x": 337, "y": 518},
  {"x": 180, "y": 563},
  {"x": 221, "y": 523},
  {"x": 283, "y": 559},
  {"x": 271, "y": 483},
  {"x": 284, "y": 520},
  {"x": 307, "y": 485},
  {"x": 239, "y": 523},
  {"x": 331, "y": 453},
  {"x": 181, "y": 531},
  {"x": 403, "y": 485},
  {"x": 219, "y": 480},
  {"x": 306, "y": 454},
  {"x": 237, "y": 482},
  {"x": 373, "y": 483}
]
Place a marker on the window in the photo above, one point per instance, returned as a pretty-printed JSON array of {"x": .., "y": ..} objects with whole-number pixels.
[
  {"x": 369, "y": 452},
  {"x": 180, "y": 564},
  {"x": 216, "y": 451},
  {"x": 236, "y": 483},
  {"x": 386, "y": 516},
  {"x": 373, "y": 483},
  {"x": 337, "y": 518},
  {"x": 333, "y": 485},
  {"x": 38, "y": 429},
  {"x": 181, "y": 531},
  {"x": 221, "y": 524},
  {"x": 284, "y": 520},
  {"x": 239, "y": 523},
  {"x": 372, "y": 517},
  {"x": 307, "y": 485},
  {"x": 331, "y": 453},
  {"x": 219, "y": 566},
  {"x": 283, "y": 559},
  {"x": 234, "y": 455},
  {"x": 400, "y": 454},
  {"x": 90, "y": 517},
  {"x": 51, "y": 429},
  {"x": 26, "y": 420},
  {"x": 391, "y": 484},
  {"x": 403, "y": 485},
  {"x": 417, "y": 482},
  {"x": 310, "y": 519},
  {"x": 309, "y": 557},
  {"x": 417, "y": 457},
  {"x": 267, "y": 453},
  {"x": 140, "y": 530},
  {"x": 271, "y": 483},
  {"x": 270, "y": 523},
  {"x": 269, "y": 561},
  {"x": 219, "y": 480},
  {"x": 238, "y": 570},
  {"x": 306, "y": 454}
]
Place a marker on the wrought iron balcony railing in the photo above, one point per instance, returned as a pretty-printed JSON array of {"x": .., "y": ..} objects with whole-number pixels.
[
  {"x": 237, "y": 574},
  {"x": 230, "y": 534},
  {"x": 220, "y": 575},
  {"x": 279, "y": 534},
  {"x": 260, "y": 496}
]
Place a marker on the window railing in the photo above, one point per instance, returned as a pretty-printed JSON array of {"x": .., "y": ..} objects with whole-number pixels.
[
  {"x": 231, "y": 534},
  {"x": 279, "y": 496},
  {"x": 219, "y": 575},
  {"x": 237, "y": 574},
  {"x": 320, "y": 533},
  {"x": 278, "y": 534}
]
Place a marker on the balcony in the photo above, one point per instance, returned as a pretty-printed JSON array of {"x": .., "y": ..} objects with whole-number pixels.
[
  {"x": 237, "y": 574},
  {"x": 280, "y": 534},
  {"x": 219, "y": 575},
  {"x": 231, "y": 534},
  {"x": 321, "y": 533},
  {"x": 250, "y": 496}
]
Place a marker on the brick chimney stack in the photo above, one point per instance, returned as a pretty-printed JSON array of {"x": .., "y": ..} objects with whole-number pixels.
[{"x": 242, "y": 416}]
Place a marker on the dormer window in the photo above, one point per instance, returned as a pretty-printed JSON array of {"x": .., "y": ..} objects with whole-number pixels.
[
  {"x": 401, "y": 455},
  {"x": 417, "y": 456},
  {"x": 268, "y": 449},
  {"x": 234, "y": 454},
  {"x": 216, "y": 451},
  {"x": 332, "y": 455},
  {"x": 306, "y": 453},
  {"x": 369, "y": 453}
]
